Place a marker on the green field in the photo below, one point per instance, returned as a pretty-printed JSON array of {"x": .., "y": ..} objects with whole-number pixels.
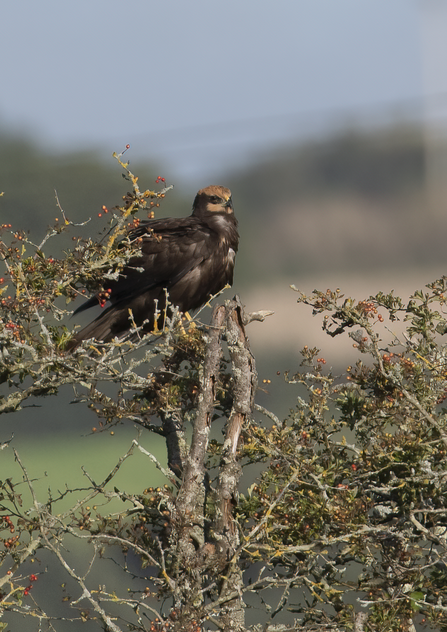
[{"x": 57, "y": 463}]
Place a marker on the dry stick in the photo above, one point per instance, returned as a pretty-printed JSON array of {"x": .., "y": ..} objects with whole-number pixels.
[
  {"x": 86, "y": 594},
  {"x": 244, "y": 388},
  {"x": 189, "y": 522},
  {"x": 191, "y": 498},
  {"x": 243, "y": 392},
  {"x": 191, "y": 495}
]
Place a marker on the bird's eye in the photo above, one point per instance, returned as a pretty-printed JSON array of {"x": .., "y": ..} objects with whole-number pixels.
[{"x": 215, "y": 199}]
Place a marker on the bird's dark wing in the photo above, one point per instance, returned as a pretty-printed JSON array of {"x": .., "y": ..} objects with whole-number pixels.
[
  {"x": 168, "y": 252},
  {"x": 170, "y": 248}
]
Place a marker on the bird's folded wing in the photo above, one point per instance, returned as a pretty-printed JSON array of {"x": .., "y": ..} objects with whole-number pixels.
[{"x": 168, "y": 253}]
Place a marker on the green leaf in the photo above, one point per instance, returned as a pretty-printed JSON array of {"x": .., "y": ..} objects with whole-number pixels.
[{"x": 416, "y": 596}]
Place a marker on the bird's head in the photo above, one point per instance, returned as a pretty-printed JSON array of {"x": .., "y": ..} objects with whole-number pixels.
[{"x": 213, "y": 199}]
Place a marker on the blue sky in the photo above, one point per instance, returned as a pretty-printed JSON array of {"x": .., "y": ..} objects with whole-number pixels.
[{"x": 201, "y": 85}]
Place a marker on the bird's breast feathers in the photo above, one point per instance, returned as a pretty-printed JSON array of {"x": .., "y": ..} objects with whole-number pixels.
[{"x": 231, "y": 256}]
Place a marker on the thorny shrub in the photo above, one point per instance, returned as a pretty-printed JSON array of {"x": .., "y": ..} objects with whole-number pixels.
[{"x": 345, "y": 526}]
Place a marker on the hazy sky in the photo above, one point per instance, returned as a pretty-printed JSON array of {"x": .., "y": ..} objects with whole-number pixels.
[{"x": 202, "y": 84}]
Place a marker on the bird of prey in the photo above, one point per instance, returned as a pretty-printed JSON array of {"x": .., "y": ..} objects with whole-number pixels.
[{"x": 190, "y": 258}]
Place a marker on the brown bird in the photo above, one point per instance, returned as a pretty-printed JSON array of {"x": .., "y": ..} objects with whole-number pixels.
[{"x": 191, "y": 258}]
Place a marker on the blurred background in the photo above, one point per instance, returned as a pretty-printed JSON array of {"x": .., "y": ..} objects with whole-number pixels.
[{"x": 328, "y": 120}]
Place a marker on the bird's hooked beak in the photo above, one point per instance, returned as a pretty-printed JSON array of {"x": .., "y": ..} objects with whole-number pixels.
[{"x": 229, "y": 205}]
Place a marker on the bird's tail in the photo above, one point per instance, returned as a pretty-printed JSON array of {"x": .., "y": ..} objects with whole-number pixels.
[{"x": 104, "y": 328}]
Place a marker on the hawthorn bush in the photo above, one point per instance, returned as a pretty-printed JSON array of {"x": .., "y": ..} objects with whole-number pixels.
[{"x": 340, "y": 522}]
